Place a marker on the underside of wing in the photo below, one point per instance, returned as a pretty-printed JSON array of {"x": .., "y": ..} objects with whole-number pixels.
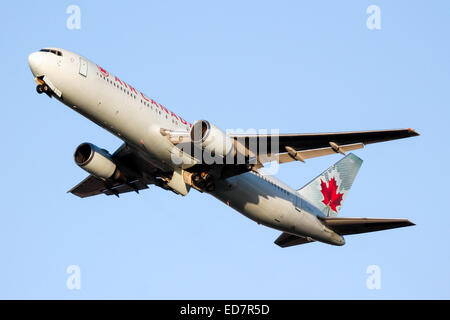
[
  {"x": 92, "y": 186},
  {"x": 347, "y": 226},
  {"x": 291, "y": 147},
  {"x": 309, "y": 141}
]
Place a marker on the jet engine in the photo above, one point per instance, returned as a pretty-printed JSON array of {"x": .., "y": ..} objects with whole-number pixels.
[
  {"x": 211, "y": 138},
  {"x": 96, "y": 161}
]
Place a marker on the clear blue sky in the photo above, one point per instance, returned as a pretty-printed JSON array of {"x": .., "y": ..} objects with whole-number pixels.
[{"x": 298, "y": 67}]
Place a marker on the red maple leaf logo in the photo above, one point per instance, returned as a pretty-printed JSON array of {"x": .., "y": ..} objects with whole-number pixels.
[{"x": 331, "y": 198}]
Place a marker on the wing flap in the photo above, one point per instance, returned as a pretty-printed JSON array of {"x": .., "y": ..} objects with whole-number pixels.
[
  {"x": 314, "y": 153},
  {"x": 92, "y": 186},
  {"x": 348, "y": 226},
  {"x": 124, "y": 188}
]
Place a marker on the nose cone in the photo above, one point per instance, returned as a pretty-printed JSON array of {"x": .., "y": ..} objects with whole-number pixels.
[{"x": 35, "y": 60}]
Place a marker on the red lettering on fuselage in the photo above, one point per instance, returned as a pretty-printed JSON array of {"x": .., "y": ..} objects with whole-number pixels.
[
  {"x": 132, "y": 89},
  {"x": 103, "y": 71},
  {"x": 162, "y": 107},
  {"x": 153, "y": 102},
  {"x": 182, "y": 120},
  {"x": 118, "y": 80}
]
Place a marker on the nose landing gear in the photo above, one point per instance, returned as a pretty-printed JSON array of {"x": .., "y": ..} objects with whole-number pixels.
[
  {"x": 42, "y": 88},
  {"x": 44, "y": 85}
]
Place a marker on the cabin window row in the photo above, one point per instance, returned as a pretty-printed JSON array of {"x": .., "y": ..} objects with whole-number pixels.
[
  {"x": 275, "y": 185},
  {"x": 145, "y": 103}
]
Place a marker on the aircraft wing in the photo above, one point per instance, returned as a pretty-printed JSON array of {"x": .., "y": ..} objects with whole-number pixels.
[
  {"x": 346, "y": 226},
  {"x": 138, "y": 170},
  {"x": 92, "y": 186},
  {"x": 291, "y": 147}
]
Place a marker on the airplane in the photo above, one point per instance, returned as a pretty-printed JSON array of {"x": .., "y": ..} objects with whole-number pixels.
[{"x": 160, "y": 148}]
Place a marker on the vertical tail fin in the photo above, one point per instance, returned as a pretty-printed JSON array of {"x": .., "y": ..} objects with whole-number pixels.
[{"x": 328, "y": 190}]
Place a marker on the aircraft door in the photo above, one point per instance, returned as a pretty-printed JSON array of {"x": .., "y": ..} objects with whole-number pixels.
[{"x": 83, "y": 67}]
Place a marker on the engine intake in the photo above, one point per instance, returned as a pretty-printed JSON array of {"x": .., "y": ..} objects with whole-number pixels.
[
  {"x": 94, "y": 160},
  {"x": 211, "y": 138}
]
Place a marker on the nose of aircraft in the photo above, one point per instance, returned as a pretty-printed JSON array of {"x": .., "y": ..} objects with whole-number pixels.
[{"x": 35, "y": 62}]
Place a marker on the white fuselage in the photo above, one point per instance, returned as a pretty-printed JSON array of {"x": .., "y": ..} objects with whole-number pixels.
[{"x": 137, "y": 119}]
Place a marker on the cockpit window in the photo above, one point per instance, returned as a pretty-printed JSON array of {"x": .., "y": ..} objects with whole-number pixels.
[{"x": 58, "y": 53}]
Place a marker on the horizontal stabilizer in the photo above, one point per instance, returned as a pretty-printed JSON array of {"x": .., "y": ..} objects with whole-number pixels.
[
  {"x": 288, "y": 240},
  {"x": 346, "y": 226}
]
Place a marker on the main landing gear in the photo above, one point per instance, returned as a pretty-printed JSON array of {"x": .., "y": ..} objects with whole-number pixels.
[{"x": 203, "y": 181}]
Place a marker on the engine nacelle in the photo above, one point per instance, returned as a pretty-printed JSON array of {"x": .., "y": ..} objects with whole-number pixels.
[
  {"x": 94, "y": 160},
  {"x": 211, "y": 138}
]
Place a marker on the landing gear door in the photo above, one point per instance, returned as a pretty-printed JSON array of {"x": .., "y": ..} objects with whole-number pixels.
[{"x": 83, "y": 67}]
